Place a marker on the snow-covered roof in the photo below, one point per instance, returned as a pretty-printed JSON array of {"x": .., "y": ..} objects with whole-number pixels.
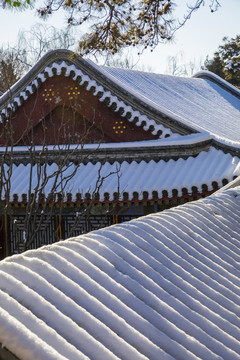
[
  {"x": 204, "y": 102},
  {"x": 165, "y": 286},
  {"x": 188, "y": 115},
  {"x": 163, "y": 104},
  {"x": 129, "y": 177},
  {"x": 190, "y": 140},
  {"x": 24, "y": 88}
]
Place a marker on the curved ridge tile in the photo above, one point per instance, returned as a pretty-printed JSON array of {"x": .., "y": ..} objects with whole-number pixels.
[{"x": 21, "y": 335}]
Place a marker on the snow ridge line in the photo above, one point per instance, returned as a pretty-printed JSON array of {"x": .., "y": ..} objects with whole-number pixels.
[
  {"x": 175, "y": 249},
  {"x": 164, "y": 286},
  {"x": 78, "y": 337},
  {"x": 44, "y": 332},
  {"x": 219, "y": 252},
  {"x": 148, "y": 271},
  {"x": 22, "y": 335},
  {"x": 223, "y": 219},
  {"x": 188, "y": 251},
  {"x": 80, "y": 284},
  {"x": 165, "y": 341},
  {"x": 140, "y": 304},
  {"x": 160, "y": 263},
  {"x": 103, "y": 95},
  {"x": 69, "y": 307},
  {"x": 186, "y": 327}
]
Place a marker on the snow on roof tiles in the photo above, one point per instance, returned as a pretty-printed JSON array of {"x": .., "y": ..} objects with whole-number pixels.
[
  {"x": 159, "y": 103},
  {"x": 196, "y": 138},
  {"x": 208, "y": 166},
  {"x": 205, "y": 104},
  {"x": 165, "y": 286}
]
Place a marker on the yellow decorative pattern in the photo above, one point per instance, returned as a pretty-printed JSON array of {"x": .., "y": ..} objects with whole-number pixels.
[
  {"x": 48, "y": 94},
  {"x": 119, "y": 127},
  {"x": 73, "y": 93}
]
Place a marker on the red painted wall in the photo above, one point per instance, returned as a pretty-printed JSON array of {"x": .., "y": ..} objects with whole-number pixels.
[{"x": 62, "y": 112}]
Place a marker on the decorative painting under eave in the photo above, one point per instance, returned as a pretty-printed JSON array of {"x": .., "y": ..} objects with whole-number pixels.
[{"x": 62, "y": 112}]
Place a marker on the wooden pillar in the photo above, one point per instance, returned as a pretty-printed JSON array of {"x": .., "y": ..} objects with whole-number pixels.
[
  {"x": 115, "y": 219},
  {"x": 59, "y": 231}
]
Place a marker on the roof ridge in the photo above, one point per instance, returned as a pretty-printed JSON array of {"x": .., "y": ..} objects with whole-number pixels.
[
  {"x": 23, "y": 89},
  {"x": 205, "y": 74}
]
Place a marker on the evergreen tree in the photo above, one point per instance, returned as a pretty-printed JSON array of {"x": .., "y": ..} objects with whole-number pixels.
[{"x": 226, "y": 61}]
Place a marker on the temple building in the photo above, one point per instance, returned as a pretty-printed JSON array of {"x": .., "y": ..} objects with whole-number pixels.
[{"x": 85, "y": 146}]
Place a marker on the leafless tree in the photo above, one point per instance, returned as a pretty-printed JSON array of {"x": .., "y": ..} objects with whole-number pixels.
[
  {"x": 34, "y": 43},
  {"x": 48, "y": 187},
  {"x": 178, "y": 66},
  {"x": 11, "y": 68},
  {"x": 30, "y": 47}
]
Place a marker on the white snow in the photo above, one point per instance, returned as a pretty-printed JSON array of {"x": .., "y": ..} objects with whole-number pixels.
[
  {"x": 204, "y": 103},
  {"x": 174, "y": 140},
  {"x": 206, "y": 167},
  {"x": 165, "y": 286},
  {"x": 197, "y": 102}
]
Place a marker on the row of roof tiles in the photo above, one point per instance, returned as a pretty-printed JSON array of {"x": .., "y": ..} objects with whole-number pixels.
[
  {"x": 165, "y": 286},
  {"x": 208, "y": 168}
]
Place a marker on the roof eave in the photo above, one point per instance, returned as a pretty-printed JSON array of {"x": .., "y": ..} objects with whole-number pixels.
[
  {"x": 94, "y": 72},
  {"x": 120, "y": 154},
  {"x": 219, "y": 81}
]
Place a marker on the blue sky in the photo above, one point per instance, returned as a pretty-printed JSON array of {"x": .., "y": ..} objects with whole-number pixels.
[{"x": 200, "y": 37}]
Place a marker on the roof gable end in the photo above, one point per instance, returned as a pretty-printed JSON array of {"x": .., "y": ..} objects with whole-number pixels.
[{"x": 62, "y": 62}]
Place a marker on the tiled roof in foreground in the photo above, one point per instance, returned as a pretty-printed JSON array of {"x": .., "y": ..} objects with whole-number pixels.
[{"x": 165, "y": 286}]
